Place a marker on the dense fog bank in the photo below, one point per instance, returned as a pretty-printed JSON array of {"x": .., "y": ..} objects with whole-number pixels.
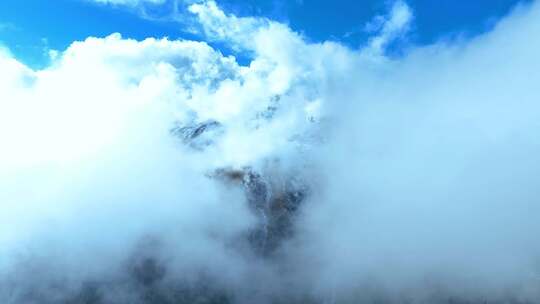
[{"x": 162, "y": 171}]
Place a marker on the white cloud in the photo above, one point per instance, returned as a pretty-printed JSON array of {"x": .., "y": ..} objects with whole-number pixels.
[
  {"x": 390, "y": 27},
  {"x": 218, "y": 25},
  {"x": 87, "y": 139},
  {"x": 423, "y": 169}
]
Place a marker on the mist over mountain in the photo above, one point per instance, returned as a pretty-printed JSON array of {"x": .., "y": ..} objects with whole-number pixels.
[{"x": 162, "y": 171}]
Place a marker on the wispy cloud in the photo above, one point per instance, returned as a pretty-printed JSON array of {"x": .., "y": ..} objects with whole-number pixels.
[
  {"x": 7, "y": 26},
  {"x": 129, "y": 2},
  {"x": 390, "y": 27}
]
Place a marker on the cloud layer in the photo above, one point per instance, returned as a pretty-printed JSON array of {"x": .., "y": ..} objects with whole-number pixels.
[
  {"x": 129, "y": 2},
  {"x": 422, "y": 171}
]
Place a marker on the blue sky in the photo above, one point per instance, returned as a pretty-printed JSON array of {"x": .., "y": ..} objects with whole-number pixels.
[
  {"x": 412, "y": 166},
  {"x": 29, "y": 28}
]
